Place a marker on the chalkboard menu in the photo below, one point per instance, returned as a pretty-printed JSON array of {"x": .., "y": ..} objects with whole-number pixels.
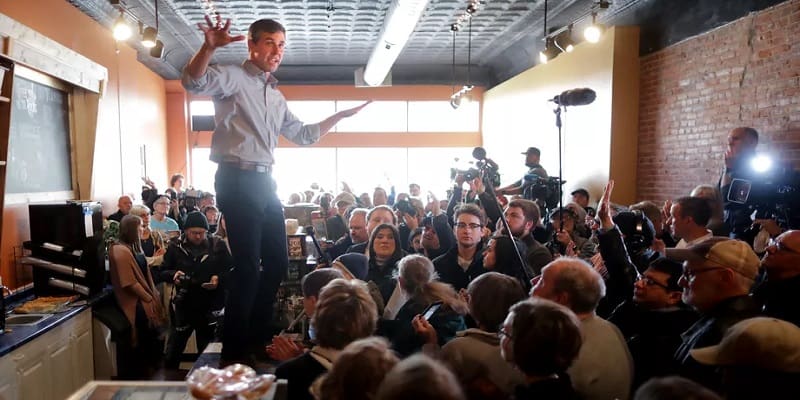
[{"x": 39, "y": 139}]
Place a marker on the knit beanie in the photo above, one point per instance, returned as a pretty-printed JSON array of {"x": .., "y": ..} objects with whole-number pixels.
[{"x": 195, "y": 219}]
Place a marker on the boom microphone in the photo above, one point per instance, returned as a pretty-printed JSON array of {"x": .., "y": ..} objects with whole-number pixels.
[
  {"x": 479, "y": 153},
  {"x": 575, "y": 97}
]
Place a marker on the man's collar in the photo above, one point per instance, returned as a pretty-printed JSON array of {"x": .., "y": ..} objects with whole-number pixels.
[{"x": 253, "y": 70}]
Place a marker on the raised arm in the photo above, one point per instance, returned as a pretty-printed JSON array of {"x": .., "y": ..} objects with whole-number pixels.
[
  {"x": 216, "y": 35},
  {"x": 328, "y": 123}
]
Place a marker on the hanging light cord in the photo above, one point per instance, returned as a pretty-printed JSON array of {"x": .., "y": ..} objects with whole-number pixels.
[
  {"x": 469, "y": 52},
  {"x": 453, "y": 68}
]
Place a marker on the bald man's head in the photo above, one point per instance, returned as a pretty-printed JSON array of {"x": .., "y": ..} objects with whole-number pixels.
[
  {"x": 742, "y": 140},
  {"x": 125, "y": 203}
]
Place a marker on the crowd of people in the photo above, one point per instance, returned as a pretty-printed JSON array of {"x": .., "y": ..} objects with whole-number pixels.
[
  {"x": 480, "y": 296},
  {"x": 639, "y": 299}
]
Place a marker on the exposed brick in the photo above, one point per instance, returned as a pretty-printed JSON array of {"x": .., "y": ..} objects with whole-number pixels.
[{"x": 694, "y": 92}]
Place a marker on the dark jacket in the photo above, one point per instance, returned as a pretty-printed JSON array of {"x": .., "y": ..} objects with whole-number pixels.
[
  {"x": 708, "y": 331},
  {"x": 384, "y": 276},
  {"x": 405, "y": 340},
  {"x": 335, "y": 227},
  {"x": 340, "y": 247},
  {"x": 447, "y": 239},
  {"x": 621, "y": 271},
  {"x": 781, "y": 299},
  {"x": 358, "y": 248},
  {"x": 300, "y": 372},
  {"x": 451, "y": 273},
  {"x": 199, "y": 264},
  {"x": 508, "y": 263},
  {"x": 556, "y": 389},
  {"x": 652, "y": 337},
  {"x": 117, "y": 216},
  {"x": 537, "y": 255}
]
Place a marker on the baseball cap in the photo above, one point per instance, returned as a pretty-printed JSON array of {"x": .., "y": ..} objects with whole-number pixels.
[
  {"x": 734, "y": 254},
  {"x": 531, "y": 150},
  {"x": 767, "y": 343}
]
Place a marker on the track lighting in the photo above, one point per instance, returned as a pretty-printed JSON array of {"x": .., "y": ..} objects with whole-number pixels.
[
  {"x": 149, "y": 37},
  {"x": 550, "y": 51},
  {"x": 121, "y": 29},
  {"x": 593, "y": 32},
  {"x": 565, "y": 42},
  {"x": 157, "y": 50}
]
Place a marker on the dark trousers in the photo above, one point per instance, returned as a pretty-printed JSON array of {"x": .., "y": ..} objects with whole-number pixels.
[
  {"x": 196, "y": 321},
  {"x": 257, "y": 237}
]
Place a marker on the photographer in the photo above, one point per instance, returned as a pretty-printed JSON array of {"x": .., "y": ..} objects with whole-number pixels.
[
  {"x": 408, "y": 219},
  {"x": 532, "y": 158},
  {"x": 195, "y": 263},
  {"x": 753, "y": 184}
]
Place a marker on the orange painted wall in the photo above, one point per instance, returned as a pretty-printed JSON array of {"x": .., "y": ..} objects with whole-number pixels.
[{"x": 142, "y": 99}]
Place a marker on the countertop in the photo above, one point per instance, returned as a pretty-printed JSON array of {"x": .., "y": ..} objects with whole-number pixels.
[{"x": 18, "y": 335}]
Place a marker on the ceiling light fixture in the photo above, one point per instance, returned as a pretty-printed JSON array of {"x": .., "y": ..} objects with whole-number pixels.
[
  {"x": 121, "y": 29},
  {"x": 565, "y": 42},
  {"x": 149, "y": 37},
  {"x": 550, "y": 51},
  {"x": 593, "y": 32},
  {"x": 401, "y": 19}
]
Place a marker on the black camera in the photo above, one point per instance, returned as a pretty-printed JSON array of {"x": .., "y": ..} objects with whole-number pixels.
[
  {"x": 542, "y": 190},
  {"x": 468, "y": 174},
  {"x": 405, "y": 207},
  {"x": 772, "y": 192}
]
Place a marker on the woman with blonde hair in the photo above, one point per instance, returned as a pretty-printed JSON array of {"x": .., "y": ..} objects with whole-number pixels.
[
  {"x": 419, "y": 283},
  {"x": 138, "y": 299},
  {"x": 154, "y": 243}
]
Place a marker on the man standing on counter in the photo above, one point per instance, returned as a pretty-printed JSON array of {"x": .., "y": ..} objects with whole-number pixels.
[{"x": 250, "y": 114}]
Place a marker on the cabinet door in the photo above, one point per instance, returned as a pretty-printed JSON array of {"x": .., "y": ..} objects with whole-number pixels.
[
  {"x": 61, "y": 369},
  {"x": 8, "y": 379},
  {"x": 32, "y": 378},
  {"x": 82, "y": 357}
]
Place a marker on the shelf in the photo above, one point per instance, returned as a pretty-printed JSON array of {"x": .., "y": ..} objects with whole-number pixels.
[{"x": 5, "y": 99}]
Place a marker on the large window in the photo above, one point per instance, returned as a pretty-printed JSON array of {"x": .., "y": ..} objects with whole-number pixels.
[
  {"x": 380, "y": 116},
  {"x": 361, "y": 168}
]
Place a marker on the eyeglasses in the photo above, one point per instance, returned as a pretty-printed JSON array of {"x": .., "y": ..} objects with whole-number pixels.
[
  {"x": 462, "y": 225},
  {"x": 689, "y": 275},
  {"x": 503, "y": 332},
  {"x": 652, "y": 282}
]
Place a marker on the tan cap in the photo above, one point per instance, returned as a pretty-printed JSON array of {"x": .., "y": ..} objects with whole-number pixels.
[
  {"x": 762, "y": 342},
  {"x": 734, "y": 254}
]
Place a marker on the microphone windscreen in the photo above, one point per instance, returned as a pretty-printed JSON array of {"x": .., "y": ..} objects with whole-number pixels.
[{"x": 479, "y": 153}]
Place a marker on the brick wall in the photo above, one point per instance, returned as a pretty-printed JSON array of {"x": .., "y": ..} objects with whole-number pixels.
[{"x": 746, "y": 73}]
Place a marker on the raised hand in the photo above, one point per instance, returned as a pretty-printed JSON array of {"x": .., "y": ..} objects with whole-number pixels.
[
  {"x": 218, "y": 34},
  {"x": 424, "y": 329},
  {"x": 604, "y": 208}
]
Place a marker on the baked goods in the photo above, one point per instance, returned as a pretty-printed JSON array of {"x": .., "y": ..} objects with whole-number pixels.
[
  {"x": 236, "y": 381},
  {"x": 44, "y": 305}
]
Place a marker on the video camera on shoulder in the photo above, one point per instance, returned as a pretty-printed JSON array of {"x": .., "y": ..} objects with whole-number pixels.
[
  {"x": 772, "y": 191},
  {"x": 542, "y": 189}
]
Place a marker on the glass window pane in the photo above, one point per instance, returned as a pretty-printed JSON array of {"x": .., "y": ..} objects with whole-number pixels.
[
  {"x": 296, "y": 168},
  {"x": 380, "y": 116},
  {"x": 201, "y": 107},
  {"x": 439, "y": 116},
  {"x": 203, "y": 170},
  {"x": 312, "y": 112},
  {"x": 429, "y": 167},
  {"x": 365, "y": 168}
]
